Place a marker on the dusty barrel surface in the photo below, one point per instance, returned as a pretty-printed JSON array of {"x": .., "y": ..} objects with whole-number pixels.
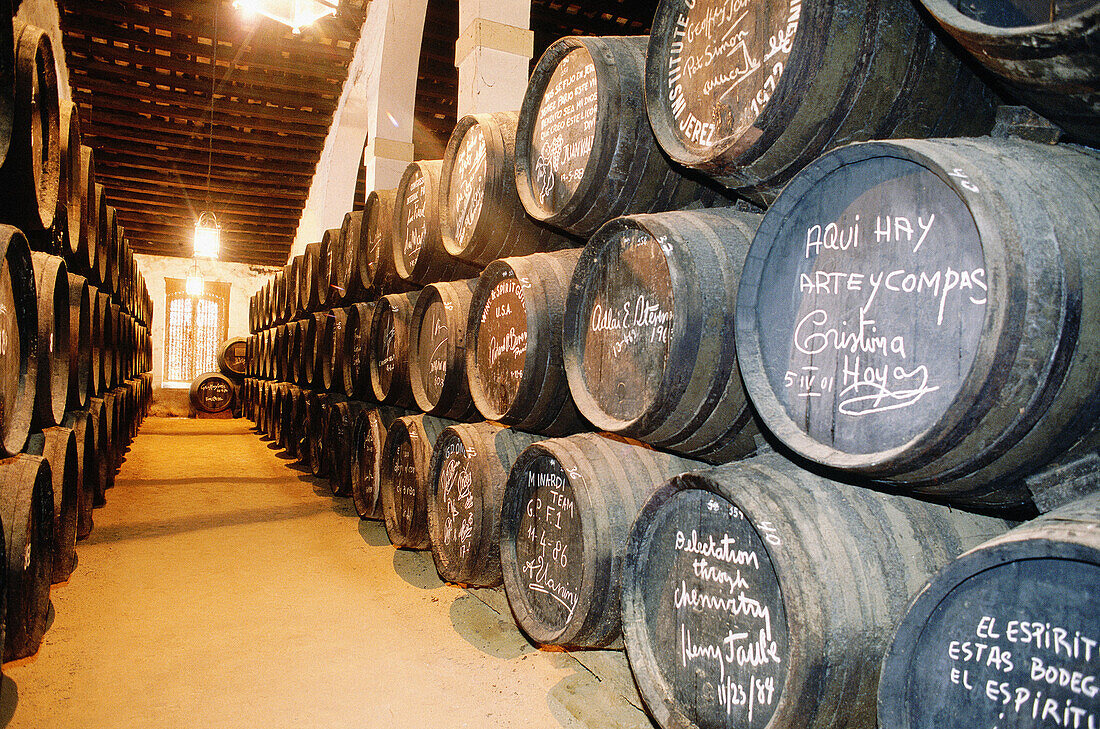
[
  {"x": 309, "y": 298},
  {"x": 18, "y": 340},
  {"x": 212, "y": 392},
  {"x": 481, "y": 217},
  {"x": 585, "y": 152},
  {"x": 371, "y": 425},
  {"x": 346, "y": 271},
  {"x": 469, "y": 470},
  {"x": 759, "y": 595},
  {"x": 356, "y": 374},
  {"x": 1006, "y": 633},
  {"x": 80, "y": 341},
  {"x": 232, "y": 357},
  {"x": 648, "y": 331},
  {"x": 303, "y": 336},
  {"x": 389, "y": 349},
  {"x": 340, "y": 437},
  {"x": 437, "y": 349},
  {"x": 87, "y": 467},
  {"x": 514, "y": 347},
  {"x": 377, "y": 270},
  {"x": 327, "y": 254},
  {"x": 26, "y": 514},
  {"x": 406, "y": 467},
  {"x": 1044, "y": 55},
  {"x": 752, "y": 96},
  {"x": 332, "y": 359},
  {"x": 58, "y": 446},
  {"x": 418, "y": 252},
  {"x": 922, "y": 312},
  {"x": 566, "y": 515}
]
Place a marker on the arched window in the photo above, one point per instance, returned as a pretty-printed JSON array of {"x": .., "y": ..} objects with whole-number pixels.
[{"x": 193, "y": 329}]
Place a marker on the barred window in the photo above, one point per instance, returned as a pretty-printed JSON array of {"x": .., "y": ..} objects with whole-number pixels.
[{"x": 194, "y": 328}]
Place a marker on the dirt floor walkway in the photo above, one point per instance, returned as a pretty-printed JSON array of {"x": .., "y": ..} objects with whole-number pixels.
[{"x": 223, "y": 586}]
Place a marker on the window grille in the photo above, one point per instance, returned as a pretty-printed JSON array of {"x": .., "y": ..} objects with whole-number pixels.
[{"x": 194, "y": 328}]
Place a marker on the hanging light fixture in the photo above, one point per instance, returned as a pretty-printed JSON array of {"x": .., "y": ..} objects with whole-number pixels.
[
  {"x": 208, "y": 234},
  {"x": 194, "y": 284},
  {"x": 295, "y": 13}
]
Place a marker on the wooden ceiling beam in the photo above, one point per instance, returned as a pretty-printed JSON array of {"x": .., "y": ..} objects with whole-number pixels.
[
  {"x": 110, "y": 173},
  {"x": 147, "y": 200},
  {"x": 144, "y": 187},
  {"x": 141, "y": 223},
  {"x": 227, "y": 167},
  {"x": 106, "y": 128},
  {"x": 198, "y": 167}
]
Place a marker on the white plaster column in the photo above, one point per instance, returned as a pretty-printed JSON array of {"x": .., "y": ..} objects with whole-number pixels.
[{"x": 493, "y": 53}]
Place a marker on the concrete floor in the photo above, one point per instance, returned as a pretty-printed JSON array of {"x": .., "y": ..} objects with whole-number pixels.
[{"x": 223, "y": 586}]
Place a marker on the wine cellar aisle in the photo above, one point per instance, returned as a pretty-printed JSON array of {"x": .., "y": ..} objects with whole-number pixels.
[{"x": 223, "y": 585}]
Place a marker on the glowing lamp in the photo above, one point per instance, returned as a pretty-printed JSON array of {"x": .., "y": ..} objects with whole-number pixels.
[{"x": 208, "y": 236}]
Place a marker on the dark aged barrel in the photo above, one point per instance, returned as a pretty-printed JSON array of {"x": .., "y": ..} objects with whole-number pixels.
[
  {"x": 102, "y": 412},
  {"x": 585, "y": 152},
  {"x": 389, "y": 348},
  {"x": 332, "y": 358},
  {"x": 33, "y": 164},
  {"x": 356, "y": 374},
  {"x": 212, "y": 392},
  {"x": 280, "y": 406},
  {"x": 111, "y": 246},
  {"x": 109, "y": 348},
  {"x": 346, "y": 270},
  {"x": 377, "y": 270},
  {"x": 1007, "y": 634},
  {"x": 480, "y": 215},
  {"x": 87, "y": 252},
  {"x": 406, "y": 467},
  {"x": 1043, "y": 53},
  {"x": 26, "y": 514},
  {"x": 280, "y": 301},
  {"x": 469, "y": 469},
  {"x": 322, "y": 323},
  {"x": 291, "y": 412},
  {"x": 437, "y": 349},
  {"x": 329, "y": 249},
  {"x": 759, "y": 595},
  {"x": 309, "y": 298},
  {"x": 18, "y": 340},
  {"x": 565, "y": 518},
  {"x": 283, "y": 351},
  {"x": 369, "y": 436},
  {"x": 102, "y": 235},
  {"x": 87, "y": 467},
  {"x": 231, "y": 357},
  {"x": 95, "y": 373},
  {"x": 320, "y": 449},
  {"x": 7, "y": 91},
  {"x": 302, "y": 335},
  {"x": 339, "y": 436},
  {"x": 70, "y": 194},
  {"x": 58, "y": 446},
  {"x": 648, "y": 331},
  {"x": 52, "y": 284},
  {"x": 923, "y": 312},
  {"x": 513, "y": 348},
  {"x": 418, "y": 252},
  {"x": 297, "y": 439},
  {"x": 752, "y": 94},
  {"x": 80, "y": 341}
]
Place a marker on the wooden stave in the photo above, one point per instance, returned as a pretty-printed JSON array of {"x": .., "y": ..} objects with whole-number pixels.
[
  {"x": 371, "y": 425},
  {"x": 979, "y": 467},
  {"x": 99, "y": 417},
  {"x": 610, "y": 481},
  {"x": 69, "y": 198},
  {"x": 320, "y": 451},
  {"x": 57, "y": 445},
  {"x": 409, "y": 529},
  {"x": 490, "y": 450},
  {"x": 20, "y": 390},
  {"x": 846, "y": 561},
  {"x": 87, "y": 254},
  {"x": 87, "y": 451},
  {"x": 542, "y": 402},
  {"x": 377, "y": 270},
  {"x": 327, "y": 297},
  {"x": 27, "y": 499},
  {"x": 634, "y": 176},
  {"x": 332, "y": 358},
  {"x": 454, "y": 400},
  {"x": 399, "y": 392}
]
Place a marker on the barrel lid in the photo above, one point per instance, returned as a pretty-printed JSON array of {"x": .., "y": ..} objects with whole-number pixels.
[
  {"x": 501, "y": 333},
  {"x": 455, "y": 505},
  {"x": 413, "y": 225},
  {"x": 862, "y": 308},
  {"x": 465, "y": 184}
]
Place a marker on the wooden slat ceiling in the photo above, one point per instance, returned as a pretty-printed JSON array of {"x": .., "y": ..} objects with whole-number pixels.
[{"x": 142, "y": 74}]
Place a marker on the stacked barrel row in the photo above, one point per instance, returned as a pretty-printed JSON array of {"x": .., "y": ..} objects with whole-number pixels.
[
  {"x": 905, "y": 316},
  {"x": 74, "y": 339}
]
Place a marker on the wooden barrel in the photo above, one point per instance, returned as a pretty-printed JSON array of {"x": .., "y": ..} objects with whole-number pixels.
[
  {"x": 469, "y": 469},
  {"x": 327, "y": 296},
  {"x": 283, "y": 352},
  {"x": 437, "y": 349},
  {"x": 320, "y": 449},
  {"x": 110, "y": 245},
  {"x": 356, "y": 374},
  {"x": 87, "y": 252},
  {"x": 757, "y": 594},
  {"x": 369, "y": 436},
  {"x": 346, "y": 271},
  {"x": 585, "y": 152},
  {"x": 948, "y": 352},
  {"x": 98, "y": 417},
  {"x": 108, "y": 344},
  {"x": 340, "y": 439},
  {"x": 30, "y": 172},
  {"x": 279, "y": 409},
  {"x": 1006, "y": 634},
  {"x": 304, "y": 374},
  {"x": 280, "y": 297},
  {"x": 799, "y": 82},
  {"x": 322, "y": 324},
  {"x": 52, "y": 285},
  {"x": 481, "y": 217},
  {"x": 332, "y": 358},
  {"x": 309, "y": 298},
  {"x": 70, "y": 195},
  {"x": 103, "y": 232},
  {"x": 26, "y": 514},
  {"x": 18, "y": 340},
  {"x": 212, "y": 392},
  {"x": 232, "y": 358},
  {"x": 58, "y": 446},
  {"x": 294, "y": 287},
  {"x": 565, "y": 518},
  {"x": 648, "y": 331},
  {"x": 80, "y": 341},
  {"x": 418, "y": 252},
  {"x": 406, "y": 467},
  {"x": 95, "y": 365},
  {"x": 293, "y": 426},
  {"x": 513, "y": 347},
  {"x": 87, "y": 468},
  {"x": 7, "y": 84},
  {"x": 377, "y": 270},
  {"x": 389, "y": 347},
  {"x": 1043, "y": 55}
]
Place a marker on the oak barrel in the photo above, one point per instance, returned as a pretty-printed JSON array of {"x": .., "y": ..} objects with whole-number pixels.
[
  {"x": 58, "y": 446},
  {"x": 406, "y": 468},
  {"x": 346, "y": 271},
  {"x": 759, "y": 595},
  {"x": 565, "y": 518},
  {"x": 52, "y": 284},
  {"x": 340, "y": 439},
  {"x": 87, "y": 252},
  {"x": 18, "y": 340},
  {"x": 212, "y": 392},
  {"x": 332, "y": 358},
  {"x": 437, "y": 349},
  {"x": 231, "y": 357},
  {"x": 356, "y": 374},
  {"x": 389, "y": 349},
  {"x": 71, "y": 196},
  {"x": 80, "y": 341},
  {"x": 369, "y": 436},
  {"x": 87, "y": 467},
  {"x": 327, "y": 253},
  {"x": 377, "y": 270},
  {"x": 925, "y": 313}
]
